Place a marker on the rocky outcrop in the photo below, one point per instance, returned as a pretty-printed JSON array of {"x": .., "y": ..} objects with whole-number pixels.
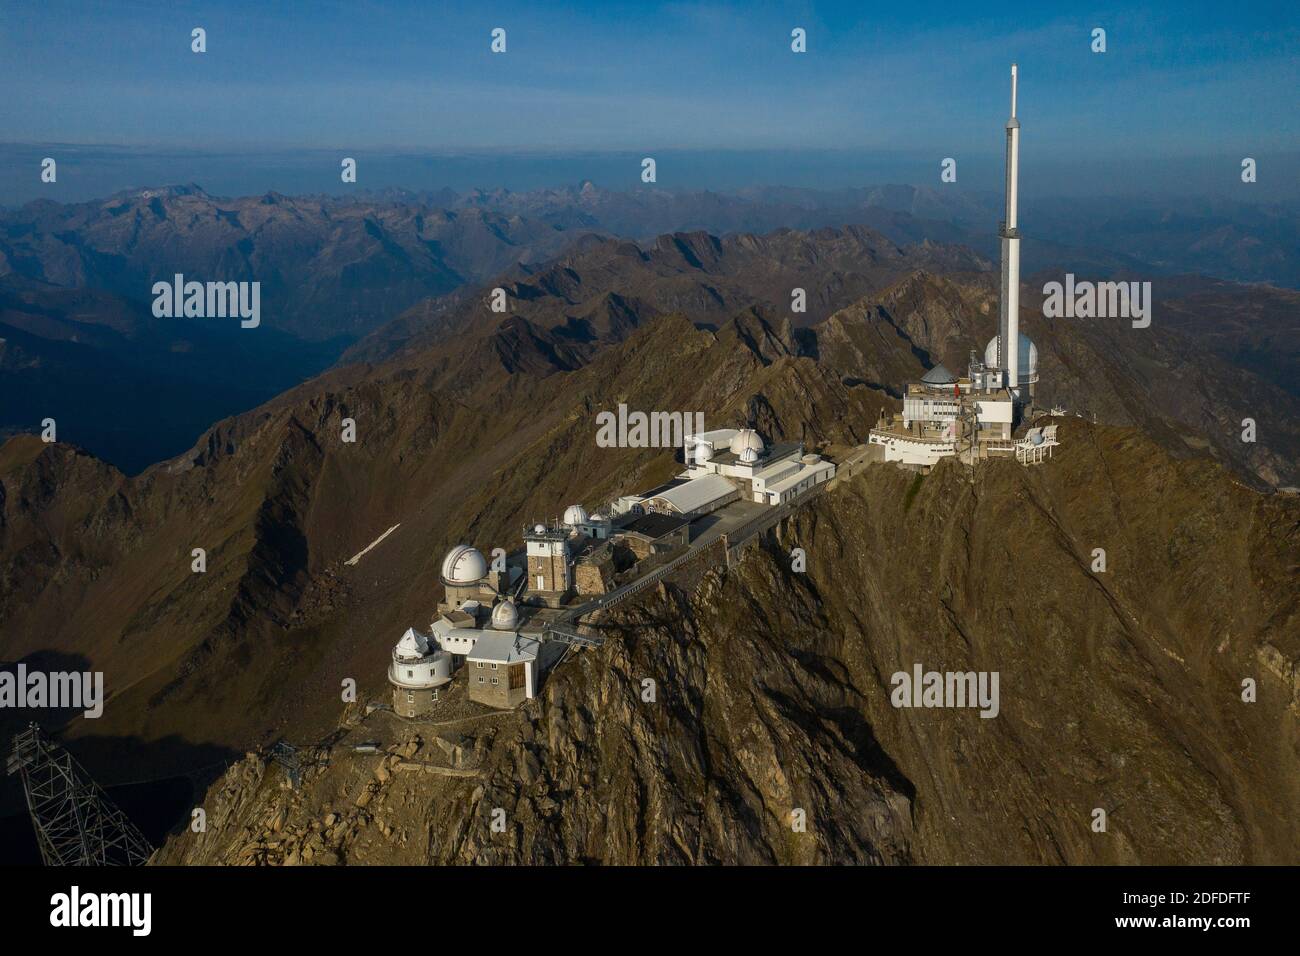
[{"x": 746, "y": 716}]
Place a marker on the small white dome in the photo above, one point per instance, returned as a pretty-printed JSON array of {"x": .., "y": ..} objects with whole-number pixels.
[
  {"x": 505, "y": 616},
  {"x": 748, "y": 456},
  {"x": 574, "y": 516},
  {"x": 746, "y": 438},
  {"x": 1027, "y": 358},
  {"x": 463, "y": 565},
  {"x": 703, "y": 453},
  {"x": 413, "y": 645},
  {"x": 539, "y": 529}
]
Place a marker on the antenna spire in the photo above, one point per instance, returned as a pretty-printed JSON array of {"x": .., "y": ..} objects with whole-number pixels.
[{"x": 1013, "y": 91}]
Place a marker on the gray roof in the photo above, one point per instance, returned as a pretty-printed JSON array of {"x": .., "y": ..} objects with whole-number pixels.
[
  {"x": 697, "y": 493},
  {"x": 655, "y": 526},
  {"x": 939, "y": 375},
  {"x": 505, "y": 647}
]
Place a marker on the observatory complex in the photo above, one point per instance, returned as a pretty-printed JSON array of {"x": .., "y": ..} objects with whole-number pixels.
[
  {"x": 975, "y": 417},
  {"x": 495, "y": 620}
]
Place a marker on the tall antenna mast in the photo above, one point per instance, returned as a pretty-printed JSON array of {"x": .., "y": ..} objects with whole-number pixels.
[{"x": 1009, "y": 324}]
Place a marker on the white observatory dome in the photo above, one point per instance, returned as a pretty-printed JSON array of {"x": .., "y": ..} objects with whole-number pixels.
[
  {"x": 539, "y": 529},
  {"x": 505, "y": 616},
  {"x": 413, "y": 645},
  {"x": 463, "y": 565},
  {"x": 574, "y": 516},
  {"x": 747, "y": 438},
  {"x": 1028, "y": 357},
  {"x": 748, "y": 456},
  {"x": 703, "y": 454}
]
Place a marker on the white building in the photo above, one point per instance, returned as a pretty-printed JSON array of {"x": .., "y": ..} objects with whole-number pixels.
[
  {"x": 579, "y": 522},
  {"x": 765, "y": 475},
  {"x": 418, "y": 669},
  {"x": 691, "y": 498},
  {"x": 975, "y": 417}
]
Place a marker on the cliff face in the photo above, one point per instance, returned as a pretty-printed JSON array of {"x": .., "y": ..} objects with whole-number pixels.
[
  {"x": 468, "y": 440},
  {"x": 1119, "y": 690}
]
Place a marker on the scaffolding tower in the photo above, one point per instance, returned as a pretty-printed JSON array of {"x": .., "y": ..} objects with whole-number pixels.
[{"x": 76, "y": 823}]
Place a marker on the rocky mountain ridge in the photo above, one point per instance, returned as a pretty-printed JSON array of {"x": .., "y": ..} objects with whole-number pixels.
[{"x": 1119, "y": 690}]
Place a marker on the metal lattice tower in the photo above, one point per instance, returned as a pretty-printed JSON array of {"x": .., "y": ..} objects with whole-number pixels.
[
  {"x": 76, "y": 823},
  {"x": 286, "y": 755}
]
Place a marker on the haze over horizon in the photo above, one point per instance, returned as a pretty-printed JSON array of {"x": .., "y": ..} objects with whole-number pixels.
[{"x": 716, "y": 94}]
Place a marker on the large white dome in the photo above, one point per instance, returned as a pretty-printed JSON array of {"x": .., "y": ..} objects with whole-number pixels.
[
  {"x": 505, "y": 616},
  {"x": 574, "y": 516},
  {"x": 746, "y": 438},
  {"x": 1028, "y": 357},
  {"x": 463, "y": 565}
]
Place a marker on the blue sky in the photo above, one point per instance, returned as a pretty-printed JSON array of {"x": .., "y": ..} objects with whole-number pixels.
[{"x": 1177, "y": 80}]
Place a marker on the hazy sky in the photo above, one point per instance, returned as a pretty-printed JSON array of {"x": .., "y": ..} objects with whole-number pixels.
[{"x": 1178, "y": 80}]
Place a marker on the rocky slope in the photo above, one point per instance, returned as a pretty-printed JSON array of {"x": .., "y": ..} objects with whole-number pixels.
[
  {"x": 601, "y": 289},
  {"x": 1118, "y": 690},
  {"x": 471, "y": 444},
  {"x": 467, "y": 439}
]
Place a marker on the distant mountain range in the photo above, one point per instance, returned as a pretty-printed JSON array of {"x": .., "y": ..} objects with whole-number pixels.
[
  {"x": 329, "y": 268},
  {"x": 364, "y": 276}
]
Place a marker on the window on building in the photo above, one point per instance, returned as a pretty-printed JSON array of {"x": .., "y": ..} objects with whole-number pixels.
[
  {"x": 480, "y": 679},
  {"x": 410, "y": 697},
  {"x": 435, "y": 694},
  {"x": 410, "y": 673},
  {"x": 494, "y": 666},
  {"x": 494, "y": 680},
  {"x": 478, "y": 664}
]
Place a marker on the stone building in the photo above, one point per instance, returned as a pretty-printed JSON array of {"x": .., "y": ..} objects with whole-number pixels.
[
  {"x": 655, "y": 534},
  {"x": 501, "y": 669},
  {"x": 550, "y": 578}
]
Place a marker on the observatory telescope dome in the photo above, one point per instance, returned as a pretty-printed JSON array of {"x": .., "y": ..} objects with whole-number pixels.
[
  {"x": 747, "y": 438},
  {"x": 413, "y": 645},
  {"x": 748, "y": 456},
  {"x": 463, "y": 565},
  {"x": 574, "y": 515},
  {"x": 939, "y": 375},
  {"x": 1028, "y": 357},
  {"x": 505, "y": 616},
  {"x": 703, "y": 454}
]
